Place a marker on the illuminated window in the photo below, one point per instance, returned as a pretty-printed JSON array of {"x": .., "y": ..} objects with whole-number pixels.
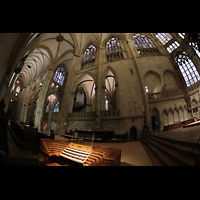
[
  {"x": 47, "y": 108},
  {"x": 195, "y": 47},
  {"x": 59, "y": 75},
  {"x": 90, "y": 53},
  {"x": 106, "y": 102},
  {"x": 174, "y": 45},
  {"x": 144, "y": 45},
  {"x": 113, "y": 46},
  {"x": 56, "y": 108},
  {"x": 164, "y": 38},
  {"x": 187, "y": 68},
  {"x": 142, "y": 41},
  {"x": 182, "y": 35}
]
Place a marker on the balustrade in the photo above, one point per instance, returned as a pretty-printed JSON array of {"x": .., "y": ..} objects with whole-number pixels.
[
  {"x": 114, "y": 56},
  {"x": 148, "y": 52},
  {"x": 165, "y": 94},
  {"x": 107, "y": 113}
]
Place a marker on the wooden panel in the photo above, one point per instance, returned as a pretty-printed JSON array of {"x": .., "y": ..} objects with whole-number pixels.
[{"x": 86, "y": 155}]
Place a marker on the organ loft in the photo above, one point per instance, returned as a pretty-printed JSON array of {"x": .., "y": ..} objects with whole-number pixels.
[{"x": 89, "y": 99}]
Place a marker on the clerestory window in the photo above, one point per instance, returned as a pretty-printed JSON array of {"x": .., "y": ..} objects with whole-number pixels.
[
  {"x": 114, "y": 50},
  {"x": 187, "y": 68},
  {"x": 164, "y": 38},
  {"x": 89, "y": 56},
  {"x": 59, "y": 75},
  {"x": 56, "y": 107},
  {"x": 144, "y": 45}
]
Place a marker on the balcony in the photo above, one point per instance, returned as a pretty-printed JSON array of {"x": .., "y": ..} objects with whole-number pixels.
[
  {"x": 82, "y": 115},
  {"x": 110, "y": 113},
  {"x": 92, "y": 115},
  {"x": 114, "y": 56},
  {"x": 165, "y": 94}
]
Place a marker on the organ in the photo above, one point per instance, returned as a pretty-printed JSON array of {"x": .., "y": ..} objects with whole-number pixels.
[{"x": 83, "y": 154}]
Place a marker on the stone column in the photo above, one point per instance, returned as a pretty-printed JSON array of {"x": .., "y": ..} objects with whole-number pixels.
[
  {"x": 142, "y": 85},
  {"x": 49, "y": 125},
  {"x": 99, "y": 82},
  {"x": 68, "y": 95},
  {"x": 42, "y": 98}
]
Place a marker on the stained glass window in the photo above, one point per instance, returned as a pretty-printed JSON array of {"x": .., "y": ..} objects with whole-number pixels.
[
  {"x": 195, "y": 47},
  {"x": 182, "y": 35},
  {"x": 142, "y": 41},
  {"x": 106, "y": 102},
  {"x": 174, "y": 45},
  {"x": 56, "y": 108},
  {"x": 187, "y": 68},
  {"x": 90, "y": 53},
  {"x": 113, "y": 46},
  {"x": 164, "y": 38},
  {"x": 59, "y": 75},
  {"x": 47, "y": 108}
]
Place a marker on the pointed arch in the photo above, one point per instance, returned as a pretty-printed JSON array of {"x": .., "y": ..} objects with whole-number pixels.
[
  {"x": 106, "y": 73},
  {"x": 187, "y": 68},
  {"x": 169, "y": 79},
  {"x": 59, "y": 76},
  {"x": 153, "y": 86},
  {"x": 109, "y": 83},
  {"x": 87, "y": 82}
]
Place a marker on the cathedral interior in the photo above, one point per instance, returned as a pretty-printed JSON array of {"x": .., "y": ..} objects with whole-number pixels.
[{"x": 124, "y": 86}]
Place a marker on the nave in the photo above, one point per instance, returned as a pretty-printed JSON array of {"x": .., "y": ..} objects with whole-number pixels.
[{"x": 165, "y": 148}]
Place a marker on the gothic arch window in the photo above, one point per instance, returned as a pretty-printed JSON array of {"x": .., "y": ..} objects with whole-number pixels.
[
  {"x": 182, "y": 35},
  {"x": 56, "y": 107},
  {"x": 194, "y": 46},
  {"x": 164, "y": 38},
  {"x": 142, "y": 41},
  {"x": 89, "y": 56},
  {"x": 113, "y": 50},
  {"x": 113, "y": 46},
  {"x": 174, "y": 45},
  {"x": 47, "y": 108},
  {"x": 59, "y": 75},
  {"x": 90, "y": 53},
  {"x": 187, "y": 68},
  {"x": 144, "y": 45},
  {"x": 79, "y": 100},
  {"x": 106, "y": 102}
]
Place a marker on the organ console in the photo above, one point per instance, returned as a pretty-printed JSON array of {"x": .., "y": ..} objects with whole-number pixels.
[{"x": 83, "y": 154}]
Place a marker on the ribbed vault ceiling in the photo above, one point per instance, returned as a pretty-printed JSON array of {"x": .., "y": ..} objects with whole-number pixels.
[{"x": 59, "y": 48}]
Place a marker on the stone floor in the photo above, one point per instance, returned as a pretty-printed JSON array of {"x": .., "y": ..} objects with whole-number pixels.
[
  {"x": 189, "y": 134},
  {"x": 133, "y": 153}
]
